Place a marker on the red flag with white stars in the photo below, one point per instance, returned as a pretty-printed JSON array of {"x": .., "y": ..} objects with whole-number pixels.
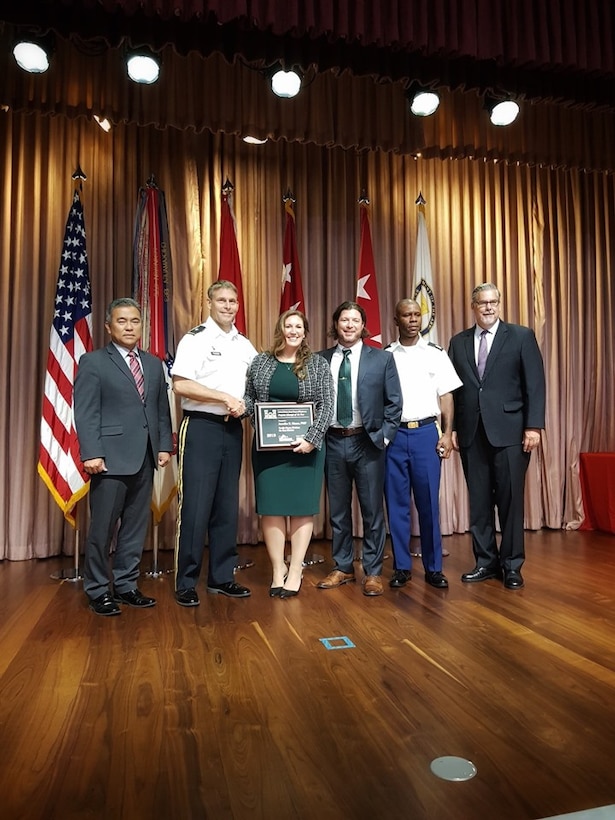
[
  {"x": 367, "y": 287},
  {"x": 292, "y": 289},
  {"x": 230, "y": 266}
]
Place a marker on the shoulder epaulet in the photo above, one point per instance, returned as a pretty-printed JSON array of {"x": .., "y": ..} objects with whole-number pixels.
[
  {"x": 433, "y": 344},
  {"x": 389, "y": 346},
  {"x": 197, "y": 329}
]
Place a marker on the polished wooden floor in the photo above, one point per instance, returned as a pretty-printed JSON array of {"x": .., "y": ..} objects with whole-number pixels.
[{"x": 236, "y": 709}]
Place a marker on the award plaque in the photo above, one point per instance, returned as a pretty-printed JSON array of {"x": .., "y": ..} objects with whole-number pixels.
[{"x": 279, "y": 424}]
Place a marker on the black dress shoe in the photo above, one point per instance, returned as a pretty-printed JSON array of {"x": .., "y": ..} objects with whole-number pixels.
[
  {"x": 104, "y": 605},
  {"x": 513, "y": 579},
  {"x": 134, "y": 597},
  {"x": 187, "y": 597},
  {"x": 231, "y": 589},
  {"x": 481, "y": 574},
  {"x": 400, "y": 578},
  {"x": 436, "y": 579},
  {"x": 274, "y": 592}
]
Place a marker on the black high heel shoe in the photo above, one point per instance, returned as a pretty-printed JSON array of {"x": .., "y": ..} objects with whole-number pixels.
[
  {"x": 276, "y": 592},
  {"x": 291, "y": 593}
]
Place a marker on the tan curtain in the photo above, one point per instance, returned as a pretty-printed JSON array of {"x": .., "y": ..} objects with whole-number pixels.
[
  {"x": 335, "y": 108},
  {"x": 546, "y": 237}
]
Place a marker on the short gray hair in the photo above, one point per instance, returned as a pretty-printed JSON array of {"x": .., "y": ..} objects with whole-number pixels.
[
  {"x": 485, "y": 286},
  {"x": 123, "y": 301}
]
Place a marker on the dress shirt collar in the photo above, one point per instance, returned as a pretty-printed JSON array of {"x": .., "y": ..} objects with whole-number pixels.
[
  {"x": 215, "y": 328},
  {"x": 490, "y": 331},
  {"x": 397, "y": 345},
  {"x": 356, "y": 348},
  {"x": 124, "y": 351}
]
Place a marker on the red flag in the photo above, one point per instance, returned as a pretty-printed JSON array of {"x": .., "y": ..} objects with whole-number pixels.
[
  {"x": 230, "y": 266},
  {"x": 367, "y": 287},
  {"x": 292, "y": 290},
  {"x": 71, "y": 335},
  {"x": 152, "y": 289}
]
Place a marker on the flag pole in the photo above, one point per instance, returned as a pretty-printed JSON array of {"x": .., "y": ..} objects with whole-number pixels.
[
  {"x": 155, "y": 571},
  {"x": 70, "y": 336},
  {"x": 73, "y": 574}
]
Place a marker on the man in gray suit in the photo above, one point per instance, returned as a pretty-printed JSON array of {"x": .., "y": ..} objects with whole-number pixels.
[
  {"x": 368, "y": 412},
  {"x": 124, "y": 429},
  {"x": 499, "y": 412}
]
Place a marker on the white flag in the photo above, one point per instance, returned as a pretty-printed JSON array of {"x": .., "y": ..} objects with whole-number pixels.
[{"x": 423, "y": 280}]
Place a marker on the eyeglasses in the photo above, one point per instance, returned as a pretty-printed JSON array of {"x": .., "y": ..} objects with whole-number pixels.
[{"x": 490, "y": 304}]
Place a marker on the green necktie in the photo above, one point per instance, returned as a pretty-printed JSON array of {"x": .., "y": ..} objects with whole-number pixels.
[{"x": 344, "y": 392}]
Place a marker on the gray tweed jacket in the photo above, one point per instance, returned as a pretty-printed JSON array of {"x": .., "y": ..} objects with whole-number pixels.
[{"x": 317, "y": 387}]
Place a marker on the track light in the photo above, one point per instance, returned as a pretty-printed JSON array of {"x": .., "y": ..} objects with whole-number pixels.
[
  {"x": 143, "y": 66},
  {"x": 422, "y": 100},
  {"x": 103, "y": 122},
  {"x": 284, "y": 83},
  {"x": 33, "y": 52},
  {"x": 501, "y": 111}
]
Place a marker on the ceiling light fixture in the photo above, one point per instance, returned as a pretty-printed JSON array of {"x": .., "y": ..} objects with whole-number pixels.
[
  {"x": 143, "y": 66},
  {"x": 103, "y": 122},
  {"x": 286, "y": 84},
  {"x": 254, "y": 140},
  {"x": 422, "y": 100},
  {"x": 501, "y": 111},
  {"x": 33, "y": 52}
]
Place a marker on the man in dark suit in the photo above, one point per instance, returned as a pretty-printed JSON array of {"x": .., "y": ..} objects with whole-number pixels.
[
  {"x": 368, "y": 411},
  {"x": 499, "y": 412},
  {"x": 124, "y": 429}
]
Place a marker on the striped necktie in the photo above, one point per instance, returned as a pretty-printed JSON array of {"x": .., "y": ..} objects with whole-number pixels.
[{"x": 135, "y": 369}]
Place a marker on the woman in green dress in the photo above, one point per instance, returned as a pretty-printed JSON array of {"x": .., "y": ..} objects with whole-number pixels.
[{"x": 288, "y": 483}]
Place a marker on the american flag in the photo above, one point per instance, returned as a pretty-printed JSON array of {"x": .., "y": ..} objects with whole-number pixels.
[{"x": 71, "y": 335}]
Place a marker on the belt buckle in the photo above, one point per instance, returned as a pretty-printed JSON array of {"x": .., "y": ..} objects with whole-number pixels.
[{"x": 412, "y": 425}]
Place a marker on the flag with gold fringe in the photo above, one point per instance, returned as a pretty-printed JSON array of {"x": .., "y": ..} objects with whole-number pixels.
[
  {"x": 59, "y": 463},
  {"x": 423, "y": 278},
  {"x": 152, "y": 289}
]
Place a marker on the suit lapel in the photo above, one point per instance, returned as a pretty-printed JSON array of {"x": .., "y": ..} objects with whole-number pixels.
[
  {"x": 364, "y": 361},
  {"x": 119, "y": 361},
  {"x": 498, "y": 342},
  {"x": 468, "y": 344}
]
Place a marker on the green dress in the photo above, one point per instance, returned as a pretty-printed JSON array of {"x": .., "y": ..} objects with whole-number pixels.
[{"x": 287, "y": 483}]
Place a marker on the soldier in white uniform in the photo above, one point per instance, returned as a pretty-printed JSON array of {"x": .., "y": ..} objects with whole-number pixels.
[
  {"x": 209, "y": 373},
  {"x": 413, "y": 459}
]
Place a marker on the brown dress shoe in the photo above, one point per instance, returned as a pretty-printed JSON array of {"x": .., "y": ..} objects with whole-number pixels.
[
  {"x": 372, "y": 585},
  {"x": 336, "y": 579}
]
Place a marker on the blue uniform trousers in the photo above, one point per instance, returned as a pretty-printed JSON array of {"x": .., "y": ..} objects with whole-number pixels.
[{"x": 412, "y": 465}]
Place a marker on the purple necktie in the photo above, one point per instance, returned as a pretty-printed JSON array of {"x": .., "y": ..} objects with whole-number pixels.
[
  {"x": 482, "y": 353},
  {"x": 135, "y": 369}
]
